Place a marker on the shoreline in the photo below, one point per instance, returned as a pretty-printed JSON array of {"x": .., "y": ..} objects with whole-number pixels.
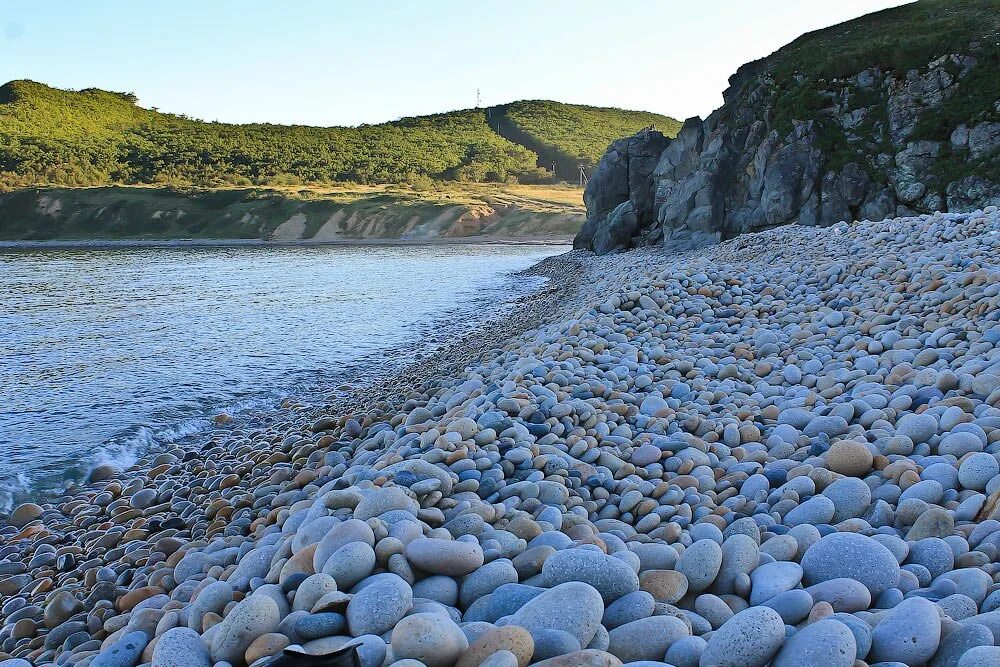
[
  {"x": 101, "y": 244},
  {"x": 644, "y": 454},
  {"x": 343, "y": 390}
]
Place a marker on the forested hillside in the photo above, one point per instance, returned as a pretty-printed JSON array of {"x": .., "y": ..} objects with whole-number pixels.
[{"x": 96, "y": 137}]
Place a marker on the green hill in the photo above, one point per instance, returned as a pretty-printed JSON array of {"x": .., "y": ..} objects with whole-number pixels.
[
  {"x": 571, "y": 134},
  {"x": 96, "y": 137}
]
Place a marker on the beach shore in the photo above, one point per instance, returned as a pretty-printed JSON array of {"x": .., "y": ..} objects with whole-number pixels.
[
  {"x": 783, "y": 445},
  {"x": 216, "y": 243}
]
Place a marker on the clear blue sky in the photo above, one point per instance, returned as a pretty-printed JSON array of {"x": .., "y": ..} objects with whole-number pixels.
[{"x": 344, "y": 63}]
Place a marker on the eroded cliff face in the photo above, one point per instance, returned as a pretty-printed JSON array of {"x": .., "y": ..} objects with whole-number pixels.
[
  {"x": 164, "y": 213},
  {"x": 870, "y": 146}
]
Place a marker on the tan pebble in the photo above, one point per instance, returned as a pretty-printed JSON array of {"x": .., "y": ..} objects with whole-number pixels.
[
  {"x": 664, "y": 585},
  {"x": 266, "y": 645},
  {"x": 820, "y": 611},
  {"x": 530, "y": 562},
  {"x": 211, "y": 619},
  {"x": 511, "y": 638},
  {"x": 908, "y": 479},
  {"x": 134, "y": 597},
  {"x": 23, "y": 628},
  {"x": 849, "y": 457},
  {"x": 524, "y": 527},
  {"x": 25, "y": 514}
]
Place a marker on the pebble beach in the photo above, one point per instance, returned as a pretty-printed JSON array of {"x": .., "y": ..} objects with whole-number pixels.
[{"x": 781, "y": 450}]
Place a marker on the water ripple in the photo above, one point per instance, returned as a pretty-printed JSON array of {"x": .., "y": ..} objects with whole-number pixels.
[{"x": 105, "y": 352}]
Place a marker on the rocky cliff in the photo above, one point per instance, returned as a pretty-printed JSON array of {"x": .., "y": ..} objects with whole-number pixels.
[
  {"x": 507, "y": 213},
  {"x": 815, "y": 135}
]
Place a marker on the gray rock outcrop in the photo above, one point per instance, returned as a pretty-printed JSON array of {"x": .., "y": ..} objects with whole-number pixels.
[{"x": 782, "y": 151}]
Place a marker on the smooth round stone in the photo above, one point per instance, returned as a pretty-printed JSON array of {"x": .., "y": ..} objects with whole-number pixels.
[
  {"x": 980, "y": 656},
  {"x": 180, "y": 647},
  {"x": 852, "y": 556},
  {"x": 700, "y": 564},
  {"x": 849, "y": 457},
  {"x": 59, "y": 609},
  {"x": 977, "y": 471},
  {"x": 957, "y": 642},
  {"x": 211, "y": 599},
  {"x": 583, "y": 658},
  {"x": 792, "y": 606},
  {"x": 935, "y": 522},
  {"x": 755, "y": 484},
  {"x": 846, "y": 595},
  {"x": 453, "y": 558},
  {"x": 552, "y": 643},
  {"x": 825, "y": 643},
  {"x": 818, "y": 509},
  {"x": 771, "y": 579},
  {"x": 507, "y": 599},
  {"x": 433, "y": 639},
  {"x": 574, "y": 607},
  {"x": 611, "y": 577},
  {"x": 918, "y": 428},
  {"x": 254, "y": 616},
  {"x": 143, "y": 499},
  {"x": 667, "y": 586},
  {"x": 25, "y": 514},
  {"x": 740, "y": 555},
  {"x": 342, "y": 534},
  {"x": 646, "y": 639},
  {"x": 780, "y": 547},
  {"x": 713, "y": 609},
  {"x": 685, "y": 652},
  {"x": 438, "y": 588},
  {"x": 325, "y": 624},
  {"x": 312, "y": 590},
  {"x": 266, "y": 645},
  {"x": 124, "y": 652},
  {"x": 630, "y": 607},
  {"x": 512, "y": 638},
  {"x": 934, "y": 554},
  {"x": 831, "y": 425},
  {"x": 909, "y": 633},
  {"x": 378, "y": 606},
  {"x": 928, "y": 490},
  {"x": 960, "y": 443},
  {"x": 653, "y": 556},
  {"x": 749, "y": 639},
  {"x": 958, "y": 606},
  {"x": 486, "y": 580},
  {"x": 350, "y": 564},
  {"x": 379, "y": 501},
  {"x": 861, "y": 630},
  {"x": 502, "y": 658},
  {"x": 850, "y": 497},
  {"x": 645, "y": 454}
]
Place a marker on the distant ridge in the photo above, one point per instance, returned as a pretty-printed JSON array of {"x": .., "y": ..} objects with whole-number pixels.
[{"x": 98, "y": 137}]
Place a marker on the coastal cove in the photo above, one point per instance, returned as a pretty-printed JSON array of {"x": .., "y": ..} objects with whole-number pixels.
[
  {"x": 529, "y": 383},
  {"x": 113, "y": 350}
]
